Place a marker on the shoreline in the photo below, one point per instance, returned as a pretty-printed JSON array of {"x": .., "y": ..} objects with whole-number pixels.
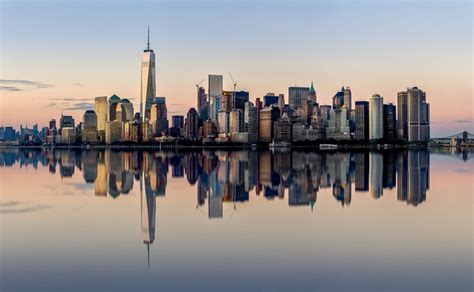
[{"x": 229, "y": 147}]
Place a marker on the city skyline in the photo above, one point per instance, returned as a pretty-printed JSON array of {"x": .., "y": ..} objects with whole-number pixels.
[{"x": 53, "y": 94}]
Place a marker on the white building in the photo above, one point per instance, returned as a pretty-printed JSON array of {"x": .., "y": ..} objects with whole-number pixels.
[
  {"x": 376, "y": 117},
  {"x": 148, "y": 86}
]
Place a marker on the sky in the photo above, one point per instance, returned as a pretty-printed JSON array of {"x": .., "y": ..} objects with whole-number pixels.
[{"x": 56, "y": 56}]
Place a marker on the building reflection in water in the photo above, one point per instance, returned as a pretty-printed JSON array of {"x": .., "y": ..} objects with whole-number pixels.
[{"x": 228, "y": 177}]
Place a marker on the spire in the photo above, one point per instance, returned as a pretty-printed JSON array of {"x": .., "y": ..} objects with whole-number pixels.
[
  {"x": 311, "y": 89},
  {"x": 148, "y": 43}
]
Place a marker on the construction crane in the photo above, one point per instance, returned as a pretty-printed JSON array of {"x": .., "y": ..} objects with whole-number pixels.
[
  {"x": 197, "y": 87},
  {"x": 199, "y": 83},
  {"x": 233, "y": 81},
  {"x": 233, "y": 93}
]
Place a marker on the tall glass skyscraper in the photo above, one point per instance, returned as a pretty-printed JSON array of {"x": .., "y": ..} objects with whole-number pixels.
[{"x": 148, "y": 88}]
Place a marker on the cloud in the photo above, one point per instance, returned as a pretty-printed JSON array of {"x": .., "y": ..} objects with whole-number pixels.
[
  {"x": 24, "y": 84},
  {"x": 457, "y": 121},
  {"x": 78, "y": 84},
  {"x": 464, "y": 120},
  {"x": 15, "y": 207},
  {"x": 10, "y": 88},
  {"x": 79, "y": 106}
]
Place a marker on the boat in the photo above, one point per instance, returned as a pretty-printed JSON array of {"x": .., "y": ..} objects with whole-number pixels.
[
  {"x": 279, "y": 145},
  {"x": 327, "y": 146}
]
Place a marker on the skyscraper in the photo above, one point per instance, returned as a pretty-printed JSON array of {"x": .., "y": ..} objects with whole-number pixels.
[
  {"x": 389, "y": 122},
  {"x": 192, "y": 124},
  {"x": 338, "y": 99},
  {"x": 89, "y": 133},
  {"x": 148, "y": 85},
  {"x": 270, "y": 99},
  {"x": 215, "y": 94},
  {"x": 418, "y": 116},
  {"x": 281, "y": 101},
  {"x": 362, "y": 120},
  {"x": 296, "y": 96},
  {"x": 112, "y": 108},
  {"x": 348, "y": 98},
  {"x": 101, "y": 112},
  {"x": 251, "y": 122},
  {"x": 376, "y": 117},
  {"x": 202, "y": 103},
  {"x": 402, "y": 115},
  {"x": 127, "y": 110}
]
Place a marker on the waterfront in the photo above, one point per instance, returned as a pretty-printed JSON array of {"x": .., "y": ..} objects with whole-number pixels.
[{"x": 235, "y": 220}]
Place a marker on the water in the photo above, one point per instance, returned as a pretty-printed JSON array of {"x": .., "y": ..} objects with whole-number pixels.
[{"x": 235, "y": 220}]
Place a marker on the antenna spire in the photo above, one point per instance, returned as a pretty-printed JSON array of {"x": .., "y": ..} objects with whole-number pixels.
[{"x": 148, "y": 43}]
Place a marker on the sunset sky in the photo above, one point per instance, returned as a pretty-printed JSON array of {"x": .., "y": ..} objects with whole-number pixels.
[{"x": 56, "y": 56}]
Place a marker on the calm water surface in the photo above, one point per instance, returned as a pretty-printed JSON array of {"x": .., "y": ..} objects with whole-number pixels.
[{"x": 235, "y": 220}]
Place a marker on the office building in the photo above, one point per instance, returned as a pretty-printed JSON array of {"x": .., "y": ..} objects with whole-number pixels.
[
  {"x": 251, "y": 122},
  {"x": 266, "y": 118},
  {"x": 338, "y": 125},
  {"x": 338, "y": 99},
  {"x": 270, "y": 99},
  {"x": 376, "y": 117},
  {"x": 239, "y": 100},
  {"x": 282, "y": 129},
  {"x": 402, "y": 115},
  {"x": 192, "y": 125},
  {"x": 177, "y": 126},
  {"x": 202, "y": 104},
  {"x": 112, "y": 107},
  {"x": 101, "y": 108},
  {"x": 216, "y": 106},
  {"x": 66, "y": 122},
  {"x": 361, "y": 120},
  {"x": 236, "y": 121},
  {"x": 389, "y": 122},
  {"x": 418, "y": 116},
  {"x": 223, "y": 122},
  {"x": 347, "y": 98},
  {"x": 215, "y": 94},
  {"x": 297, "y": 95},
  {"x": 148, "y": 81},
  {"x": 227, "y": 101},
  {"x": 89, "y": 133},
  {"x": 159, "y": 118},
  {"x": 127, "y": 110},
  {"x": 281, "y": 102}
]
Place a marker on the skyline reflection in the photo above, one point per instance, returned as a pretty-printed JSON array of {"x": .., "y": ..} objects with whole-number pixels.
[
  {"x": 229, "y": 176},
  {"x": 175, "y": 210}
]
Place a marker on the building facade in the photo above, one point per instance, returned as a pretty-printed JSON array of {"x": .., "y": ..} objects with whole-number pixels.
[{"x": 376, "y": 117}]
